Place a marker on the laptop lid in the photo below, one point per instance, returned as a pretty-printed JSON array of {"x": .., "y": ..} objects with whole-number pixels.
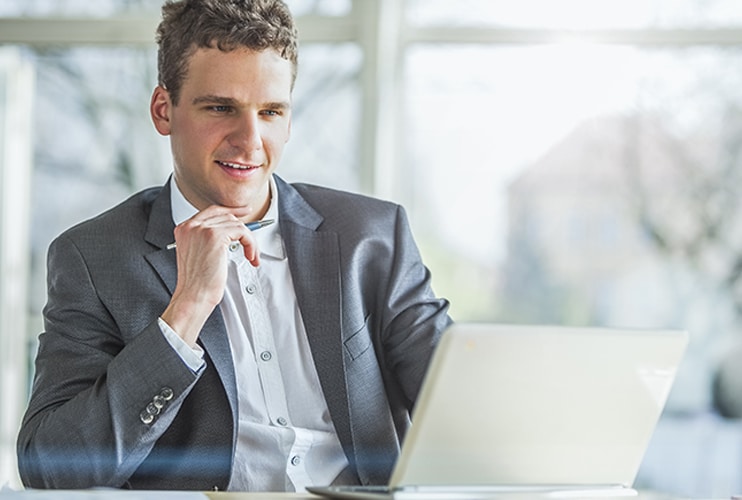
[{"x": 536, "y": 405}]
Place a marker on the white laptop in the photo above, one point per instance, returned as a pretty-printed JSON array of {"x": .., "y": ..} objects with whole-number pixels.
[{"x": 542, "y": 410}]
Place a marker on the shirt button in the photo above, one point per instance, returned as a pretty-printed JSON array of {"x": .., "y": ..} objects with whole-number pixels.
[
  {"x": 295, "y": 460},
  {"x": 282, "y": 421},
  {"x": 251, "y": 288},
  {"x": 266, "y": 355},
  {"x": 234, "y": 246}
]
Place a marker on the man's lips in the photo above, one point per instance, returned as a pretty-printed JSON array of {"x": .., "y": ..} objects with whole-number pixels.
[{"x": 236, "y": 166}]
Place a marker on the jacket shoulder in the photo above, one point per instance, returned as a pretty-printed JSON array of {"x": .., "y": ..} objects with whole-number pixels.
[
  {"x": 335, "y": 203},
  {"x": 120, "y": 219}
]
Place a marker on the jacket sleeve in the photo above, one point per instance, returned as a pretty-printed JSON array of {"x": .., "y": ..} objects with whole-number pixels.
[
  {"x": 413, "y": 316},
  {"x": 99, "y": 400}
]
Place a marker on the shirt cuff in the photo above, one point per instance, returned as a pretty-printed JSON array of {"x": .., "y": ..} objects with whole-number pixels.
[{"x": 193, "y": 357}]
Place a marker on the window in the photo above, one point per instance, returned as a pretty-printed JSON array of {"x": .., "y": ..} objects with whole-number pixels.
[
  {"x": 108, "y": 8},
  {"x": 16, "y": 79},
  {"x": 575, "y": 14},
  {"x": 524, "y": 138}
]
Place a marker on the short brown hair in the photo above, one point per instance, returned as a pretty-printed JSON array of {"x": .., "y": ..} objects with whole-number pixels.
[{"x": 188, "y": 25}]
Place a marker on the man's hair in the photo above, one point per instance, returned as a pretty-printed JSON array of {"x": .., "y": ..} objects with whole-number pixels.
[{"x": 188, "y": 25}]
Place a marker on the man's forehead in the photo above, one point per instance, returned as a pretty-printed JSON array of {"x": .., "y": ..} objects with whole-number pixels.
[
  {"x": 232, "y": 73},
  {"x": 240, "y": 50}
]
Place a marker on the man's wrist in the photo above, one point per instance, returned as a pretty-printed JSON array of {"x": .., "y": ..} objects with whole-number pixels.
[
  {"x": 186, "y": 318},
  {"x": 192, "y": 356}
]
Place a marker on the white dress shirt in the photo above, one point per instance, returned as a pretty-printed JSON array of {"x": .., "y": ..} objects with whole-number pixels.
[{"x": 286, "y": 439}]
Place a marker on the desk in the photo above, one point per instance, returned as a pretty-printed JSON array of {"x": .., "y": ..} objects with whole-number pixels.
[
  {"x": 306, "y": 496},
  {"x": 261, "y": 496},
  {"x": 173, "y": 495},
  {"x": 112, "y": 494}
]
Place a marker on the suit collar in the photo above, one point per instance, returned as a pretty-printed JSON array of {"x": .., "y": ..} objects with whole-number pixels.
[
  {"x": 292, "y": 207},
  {"x": 160, "y": 228}
]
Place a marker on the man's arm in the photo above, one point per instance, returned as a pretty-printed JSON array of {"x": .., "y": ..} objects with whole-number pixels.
[
  {"x": 414, "y": 317},
  {"x": 87, "y": 424}
]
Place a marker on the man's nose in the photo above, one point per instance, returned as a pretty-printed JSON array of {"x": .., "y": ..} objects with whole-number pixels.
[{"x": 246, "y": 135}]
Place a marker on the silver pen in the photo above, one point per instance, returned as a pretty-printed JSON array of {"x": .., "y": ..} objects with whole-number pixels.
[{"x": 252, "y": 226}]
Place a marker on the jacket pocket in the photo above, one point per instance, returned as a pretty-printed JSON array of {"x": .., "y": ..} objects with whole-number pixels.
[{"x": 359, "y": 342}]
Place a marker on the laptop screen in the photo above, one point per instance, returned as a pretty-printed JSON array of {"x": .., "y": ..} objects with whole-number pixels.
[{"x": 537, "y": 405}]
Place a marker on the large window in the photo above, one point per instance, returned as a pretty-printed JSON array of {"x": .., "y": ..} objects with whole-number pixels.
[
  {"x": 572, "y": 162},
  {"x": 16, "y": 80},
  {"x": 575, "y": 14},
  {"x": 578, "y": 163},
  {"x": 109, "y": 8}
]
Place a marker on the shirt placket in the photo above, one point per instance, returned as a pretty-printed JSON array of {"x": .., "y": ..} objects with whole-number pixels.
[
  {"x": 265, "y": 352},
  {"x": 296, "y": 464}
]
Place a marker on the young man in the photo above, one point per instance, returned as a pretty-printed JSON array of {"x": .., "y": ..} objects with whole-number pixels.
[{"x": 233, "y": 359}]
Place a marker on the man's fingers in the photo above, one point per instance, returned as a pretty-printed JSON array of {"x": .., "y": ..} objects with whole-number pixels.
[{"x": 250, "y": 248}]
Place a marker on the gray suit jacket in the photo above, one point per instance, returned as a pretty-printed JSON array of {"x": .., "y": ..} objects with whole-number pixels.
[{"x": 103, "y": 366}]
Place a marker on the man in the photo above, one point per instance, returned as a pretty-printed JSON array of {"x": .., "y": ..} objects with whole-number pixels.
[{"x": 184, "y": 351}]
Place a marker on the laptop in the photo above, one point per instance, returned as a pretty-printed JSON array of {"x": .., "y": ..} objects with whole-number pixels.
[{"x": 506, "y": 410}]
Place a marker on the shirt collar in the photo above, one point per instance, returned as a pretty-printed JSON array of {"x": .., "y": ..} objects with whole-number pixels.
[{"x": 268, "y": 238}]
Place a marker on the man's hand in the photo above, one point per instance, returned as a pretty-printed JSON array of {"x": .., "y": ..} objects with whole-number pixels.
[{"x": 202, "y": 243}]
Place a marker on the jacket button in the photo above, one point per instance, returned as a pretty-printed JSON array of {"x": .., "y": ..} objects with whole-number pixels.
[
  {"x": 158, "y": 401},
  {"x": 152, "y": 409},
  {"x": 166, "y": 393},
  {"x": 146, "y": 417}
]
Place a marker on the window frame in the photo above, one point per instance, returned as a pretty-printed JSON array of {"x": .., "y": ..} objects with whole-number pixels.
[{"x": 15, "y": 190}]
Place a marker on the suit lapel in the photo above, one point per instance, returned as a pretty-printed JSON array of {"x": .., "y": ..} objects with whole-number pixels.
[
  {"x": 314, "y": 261},
  {"x": 213, "y": 337},
  {"x": 159, "y": 233}
]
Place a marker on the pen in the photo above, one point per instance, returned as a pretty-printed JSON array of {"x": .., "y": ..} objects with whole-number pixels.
[{"x": 252, "y": 226}]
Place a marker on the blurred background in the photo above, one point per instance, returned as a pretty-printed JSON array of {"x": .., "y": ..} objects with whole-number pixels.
[{"x": 565, "y": 162}]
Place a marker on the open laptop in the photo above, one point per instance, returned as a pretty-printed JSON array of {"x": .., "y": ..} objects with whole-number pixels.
[{"x": 558, "y": 411}]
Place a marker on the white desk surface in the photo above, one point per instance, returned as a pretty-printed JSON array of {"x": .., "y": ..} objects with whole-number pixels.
[
  {"x": 175, "y": 495},
  {"x": 643, "y": 495},
  {"x": 306, "y": 496},
  {"x": 114, "y": 494},
  {"x": 261, "y": 496}
]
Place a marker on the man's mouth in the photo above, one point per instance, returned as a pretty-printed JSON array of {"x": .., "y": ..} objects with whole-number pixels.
[{"x": 236, "y": 166}]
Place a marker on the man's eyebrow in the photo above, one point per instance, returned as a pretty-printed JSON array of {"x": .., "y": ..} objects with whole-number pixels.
[
  {"x": 278, "y": 106},
  {"x": 214, "y": 99},
  {"x": 229, "y": 101}
]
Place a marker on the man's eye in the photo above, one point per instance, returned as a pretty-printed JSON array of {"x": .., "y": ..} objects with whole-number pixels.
[
  {"x": 220, "y": 109},
  {"x": 270, "y": 112}
]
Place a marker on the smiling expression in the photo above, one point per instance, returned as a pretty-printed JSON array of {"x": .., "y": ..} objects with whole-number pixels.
[{"x": 229, "y": 127}]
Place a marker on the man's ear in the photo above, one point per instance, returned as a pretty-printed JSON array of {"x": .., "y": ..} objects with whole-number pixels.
[{"x": 160, "y": 108}]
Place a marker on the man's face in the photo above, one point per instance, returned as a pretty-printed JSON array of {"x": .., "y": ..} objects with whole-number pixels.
[{"x": 229, "y": 128}]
